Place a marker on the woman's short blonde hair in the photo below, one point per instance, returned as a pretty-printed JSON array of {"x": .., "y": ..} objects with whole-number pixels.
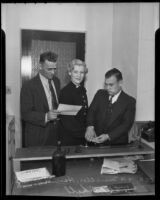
[{"x": 77, "y": 62}]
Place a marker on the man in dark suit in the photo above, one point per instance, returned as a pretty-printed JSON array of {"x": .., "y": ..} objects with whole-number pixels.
[
  {"x": 111, "y": 113},
  {"x": 39, "y": 101}
]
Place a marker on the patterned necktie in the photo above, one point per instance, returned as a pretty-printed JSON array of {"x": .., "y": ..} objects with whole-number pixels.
[
  {"x": 54, "y": 101},
  {"x": 108, "y": 114},
  {"x": 110, "y": 105}
]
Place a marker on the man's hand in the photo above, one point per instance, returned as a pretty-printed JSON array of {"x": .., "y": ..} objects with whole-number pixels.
[
  {"x": 102, "y": 138},
  {"x": 52, "y": 114},
  {"x": 90, "y": 133}
]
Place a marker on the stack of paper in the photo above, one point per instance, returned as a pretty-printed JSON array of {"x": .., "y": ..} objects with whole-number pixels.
[
  {"x": 32, "y": 175},
  {"x": 118, "y": 166},
  {"x": 101, "y": 189},
  {"x": 114, "y": 188}
]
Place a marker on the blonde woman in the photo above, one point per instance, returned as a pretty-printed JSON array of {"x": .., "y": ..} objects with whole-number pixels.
[{"x": 72, "y": 128}]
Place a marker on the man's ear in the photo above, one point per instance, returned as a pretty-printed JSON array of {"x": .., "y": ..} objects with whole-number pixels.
[
  {"x": 40, "y": 66},
  {"x": 120, "y": 83},
  {"x": 69, "y": 73}
]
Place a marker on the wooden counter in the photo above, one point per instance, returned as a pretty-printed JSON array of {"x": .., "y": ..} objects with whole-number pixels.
[
  {"x": 45, "y": 153},
  {"x": 83, "y": 174}
]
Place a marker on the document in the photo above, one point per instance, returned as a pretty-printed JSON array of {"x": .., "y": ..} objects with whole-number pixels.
[
  {"x": 32, "y": 175},
  {"x": 66, "y": 109},
  {"x": 118, "y": 166},
  {"x": 101, "y": 189}
]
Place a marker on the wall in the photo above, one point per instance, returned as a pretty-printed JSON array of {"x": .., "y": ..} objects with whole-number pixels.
[
  {"x": 125, "y": 43},
  {"x": 149, "y": 23},
  {"x": 61, "y": 17},
  {"x": 134, "y": 27},
  {"x": 13, "y": 66},
  {"x": 3, "y": 16},
  {"x": 99, "y": 21}
]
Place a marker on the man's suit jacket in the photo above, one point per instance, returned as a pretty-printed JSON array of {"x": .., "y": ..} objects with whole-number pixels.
[
  {"x": 34, "y": 106},
  {"x": 120, "y": 121}
]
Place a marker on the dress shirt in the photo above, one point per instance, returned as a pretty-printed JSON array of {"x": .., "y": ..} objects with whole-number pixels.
[
  {"x": 48, "y": 92},
  {"x": 115, "y": 97}
]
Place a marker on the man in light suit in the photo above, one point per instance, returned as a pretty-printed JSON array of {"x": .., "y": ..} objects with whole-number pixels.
[
  {"x": 39, "y": 103},
  {"x": 111, "y": 113}
]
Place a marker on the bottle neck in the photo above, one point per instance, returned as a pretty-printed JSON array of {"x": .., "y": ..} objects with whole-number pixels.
[{"x": 59, "y": 146}]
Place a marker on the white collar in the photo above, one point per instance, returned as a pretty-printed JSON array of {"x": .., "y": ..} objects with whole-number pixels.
[
  {"x": 115, "y": 97},
  {"x": 77, "y": 86},
  {"x": 43, "y": 79}
]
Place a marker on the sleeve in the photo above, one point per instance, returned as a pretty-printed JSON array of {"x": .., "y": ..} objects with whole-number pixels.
[
  {"x": 65, "y": 97},
  {"x": 92, "y": 110},
  {"x": 28, "y": 112},
  {"x": 127, "y": 122},
  {"x": 70, "y": 123}
]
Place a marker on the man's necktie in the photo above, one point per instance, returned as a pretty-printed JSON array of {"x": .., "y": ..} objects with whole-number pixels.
[
  {"x": 110, "y": 105},
  {"x": 107, "y": 115},
  {"x": 54, "y": 101}
]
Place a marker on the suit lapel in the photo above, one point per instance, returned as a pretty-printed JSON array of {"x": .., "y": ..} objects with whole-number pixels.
[
  {"x": 105, "y": 108},
  {"x": 42, "y": 93}
]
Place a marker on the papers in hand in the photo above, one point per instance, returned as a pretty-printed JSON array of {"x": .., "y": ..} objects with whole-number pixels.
[
  {"x": 32, "y": 175},
  {"x": 118, "y": 166},
  {"x": 66, "y": 109}
]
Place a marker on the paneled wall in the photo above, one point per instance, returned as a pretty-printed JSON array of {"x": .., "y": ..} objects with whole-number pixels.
[
  {"x": 10, "y": 152},
  {"x": 66, "y": 51}
]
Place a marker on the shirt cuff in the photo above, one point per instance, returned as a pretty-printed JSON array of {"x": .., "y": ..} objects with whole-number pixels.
[
  {"x": 46, "y": 120},
  {"x": 90, "y": 127},
  {"x": 108, "y": 137}
]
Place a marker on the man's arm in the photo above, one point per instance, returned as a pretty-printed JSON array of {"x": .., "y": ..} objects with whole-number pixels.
[
  {"x": 127, "y": 122},
  {"x": 90, "y": 132},
  {"x": 92, "y": 111},
  {"x": 69, "y": 121},
  {"x": 27, "y": 108}
]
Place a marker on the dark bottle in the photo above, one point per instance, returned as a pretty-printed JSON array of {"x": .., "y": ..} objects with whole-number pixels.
[{"x": 58, "y": 161}]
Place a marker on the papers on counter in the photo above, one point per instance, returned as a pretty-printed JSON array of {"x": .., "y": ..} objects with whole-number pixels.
[
  {"x": 101, "y": 189},
  {"x": 66, "y": 109},
  {"x": 114, "y": 188},
  {"x": 118, "y": 166},
  {"x": 32, "y": 175}
]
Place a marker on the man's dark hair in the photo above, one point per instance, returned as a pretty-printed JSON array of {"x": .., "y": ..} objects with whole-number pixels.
[
  {"x": 114, "y": 72},
  {"x": 50, "y": 56}
]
